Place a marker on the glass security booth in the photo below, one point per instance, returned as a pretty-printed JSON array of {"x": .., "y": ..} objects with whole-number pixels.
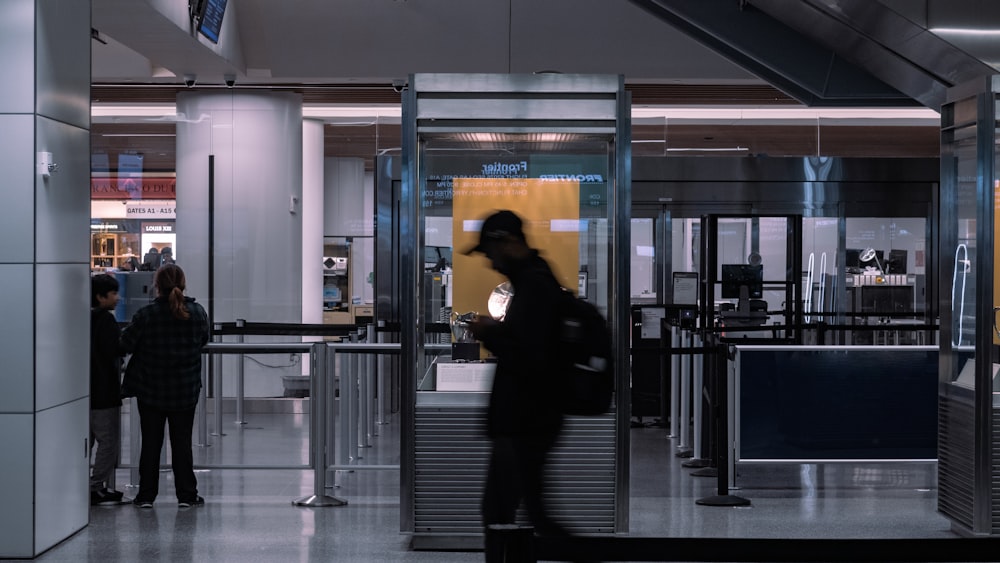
[
  {"x": 554, "y": 149},
  {"x": 970, "y": 343}
]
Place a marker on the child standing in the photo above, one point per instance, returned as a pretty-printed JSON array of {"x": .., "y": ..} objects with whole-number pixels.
[{"x": 105, "y": 388}]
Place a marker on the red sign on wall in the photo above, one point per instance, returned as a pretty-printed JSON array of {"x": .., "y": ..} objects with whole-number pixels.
[{"x": 133, "y": 188}]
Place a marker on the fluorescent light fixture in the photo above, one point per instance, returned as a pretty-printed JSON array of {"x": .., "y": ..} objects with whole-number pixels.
[
  {"x": 707, "y": 114},
  {"x": 965, "y": 31},
  {"x": 132, "y": 110},
  {"x": 138, "y": 134},
  {"x": 352, "y": 111},
  {"x": 704, "y": 149}
]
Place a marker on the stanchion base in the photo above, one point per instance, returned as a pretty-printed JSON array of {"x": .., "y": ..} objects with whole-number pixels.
[
  {"x": 706, "y": 472},
  {"x": 723, "y": 500},
  {"x": 319, "y": 501},
  {"x": 696, "y": 462},
  {"x": 687, "y": 452}
]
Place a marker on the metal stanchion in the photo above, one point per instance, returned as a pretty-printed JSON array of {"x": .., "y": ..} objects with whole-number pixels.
[
  {"x": 355, "y": 399},
  {"x": 203, "y": 403},
  {"x": 383, "y": 408},
  {"x": 317, "y": 424},
  {"x": 720, "y": 401},
  {"x": 333, "y": 360},
  {"x": 699, "y": 457},
  {"x": 675, "y": 383},
  {"x": 697, "y": 382},
  {"x": 346, "y": 390},
  {"x": 369, "y": 395},
  {"x": 133, "y": 442},
  {"x": 240, "y": 323},
  {"x": 363, "y": 410},
  {"x": 684, "y": 426},
  {"x": 336, "y": 362},
  {"x": 217, "y": 388}
]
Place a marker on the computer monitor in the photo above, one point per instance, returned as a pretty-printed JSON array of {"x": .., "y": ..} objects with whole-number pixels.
[
  {"x": 735, "y": 276},
  {"x": 896, "y": 263},
  {"x": 852, "y": 261}
]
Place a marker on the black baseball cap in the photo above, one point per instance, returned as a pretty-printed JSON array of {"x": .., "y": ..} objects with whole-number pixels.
[{"x": 500, "y": 225}]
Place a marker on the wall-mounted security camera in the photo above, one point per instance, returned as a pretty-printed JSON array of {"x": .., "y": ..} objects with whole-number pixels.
[
  {"x": 398, "y": 85},
  {"x": 190, "y": 80},
  {"x": 230, "y": 80}
]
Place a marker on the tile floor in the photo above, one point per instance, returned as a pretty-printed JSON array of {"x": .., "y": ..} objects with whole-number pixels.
[{"x": 249, "y": 516}]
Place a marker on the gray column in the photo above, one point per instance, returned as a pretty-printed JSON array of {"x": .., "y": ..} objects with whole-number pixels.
[
  {"x": 44, "y": 257},
  {"x": 256, "y": 140}
]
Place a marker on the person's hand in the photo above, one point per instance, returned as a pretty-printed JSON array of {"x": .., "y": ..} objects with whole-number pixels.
[{"x": 481, "y": 325}]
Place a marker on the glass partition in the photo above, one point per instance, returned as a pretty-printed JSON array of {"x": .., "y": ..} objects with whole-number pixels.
[
  {"x": 969, "y": 348},
  {"x": 558, "y": 189}
]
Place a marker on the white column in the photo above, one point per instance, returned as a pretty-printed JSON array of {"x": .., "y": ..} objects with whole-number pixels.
[
  {"x": 312, "y": 227},
  {"x": 312, "y": 221},
  {"x": 44, "y": 257},
  {"x": 256, "y": 141}
]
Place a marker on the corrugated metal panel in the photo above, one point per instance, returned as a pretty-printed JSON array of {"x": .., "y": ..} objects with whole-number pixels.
[
  {"x": 956, "y": 455},
  {"x": 995, "y": 476},
  {"x": 452, "y": 453}
]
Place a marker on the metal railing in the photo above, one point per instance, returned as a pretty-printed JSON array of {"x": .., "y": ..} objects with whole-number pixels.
[{"x": 352, "y": 363}]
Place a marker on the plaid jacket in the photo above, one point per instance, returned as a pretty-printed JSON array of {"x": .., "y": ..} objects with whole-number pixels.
[{"x": 165, "y": 369}]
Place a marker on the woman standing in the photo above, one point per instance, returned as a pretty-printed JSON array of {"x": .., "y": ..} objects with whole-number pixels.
[{"x": 165, "y": 339}]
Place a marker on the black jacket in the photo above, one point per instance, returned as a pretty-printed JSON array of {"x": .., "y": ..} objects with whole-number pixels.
[
  {"x": 105, "y": 360},
  {"x": 165, "y": 368},
  {"x": 524, "y": 400}
]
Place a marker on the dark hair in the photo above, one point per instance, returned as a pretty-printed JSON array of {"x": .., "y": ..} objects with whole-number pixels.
[
  {"x": 169, "y": 281},
  {"x": 101, "y": 284}
]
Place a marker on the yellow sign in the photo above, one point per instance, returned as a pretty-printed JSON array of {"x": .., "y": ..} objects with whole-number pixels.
[
  {"x": 550, "y": 211},
  {"x": 996, "y": 258}
]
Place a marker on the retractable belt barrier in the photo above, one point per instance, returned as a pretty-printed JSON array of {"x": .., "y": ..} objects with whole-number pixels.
[{"x": 324, "y": 358}]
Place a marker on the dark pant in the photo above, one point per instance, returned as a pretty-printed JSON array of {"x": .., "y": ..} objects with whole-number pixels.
[
  {"x": 181, "y": 422},
  {"x": 516, "y": 472},
  {"x": 105, "y": 430}
]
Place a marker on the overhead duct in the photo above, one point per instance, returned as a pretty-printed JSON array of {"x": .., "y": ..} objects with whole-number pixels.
[
  {"x": 874, "y": 37},
  {"x": 827, "y": 52}
]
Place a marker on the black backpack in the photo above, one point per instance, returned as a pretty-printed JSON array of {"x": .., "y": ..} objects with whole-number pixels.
[{"x": 584, "y": 357}]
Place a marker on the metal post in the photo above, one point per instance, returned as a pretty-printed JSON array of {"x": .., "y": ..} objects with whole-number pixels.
[
  {"x": 675, "y": 383},
  {"x": 333, "y": 361},
  {"x": 384, "y": 395},
  {"x": 133, "y": 442},
  {"x": 317, "y": 424},
  {"x": 697, "y": 376},
  {"x": 217, "y": 388},
  {"x": 346, "y": 388},
  {"x": 203, "y": 411},
  {"x": 684, "y": 427},
  {"x": 370, "y": 399},
  {"x": 368, "y": 396},
  {"x": 240, "y": 324},
  {"x": 355, "y": 400},
  {"x": 336, "y": 398}
]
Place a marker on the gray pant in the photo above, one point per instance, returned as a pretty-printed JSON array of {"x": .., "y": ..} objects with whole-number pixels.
[{"x": 106, "y": 432}]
